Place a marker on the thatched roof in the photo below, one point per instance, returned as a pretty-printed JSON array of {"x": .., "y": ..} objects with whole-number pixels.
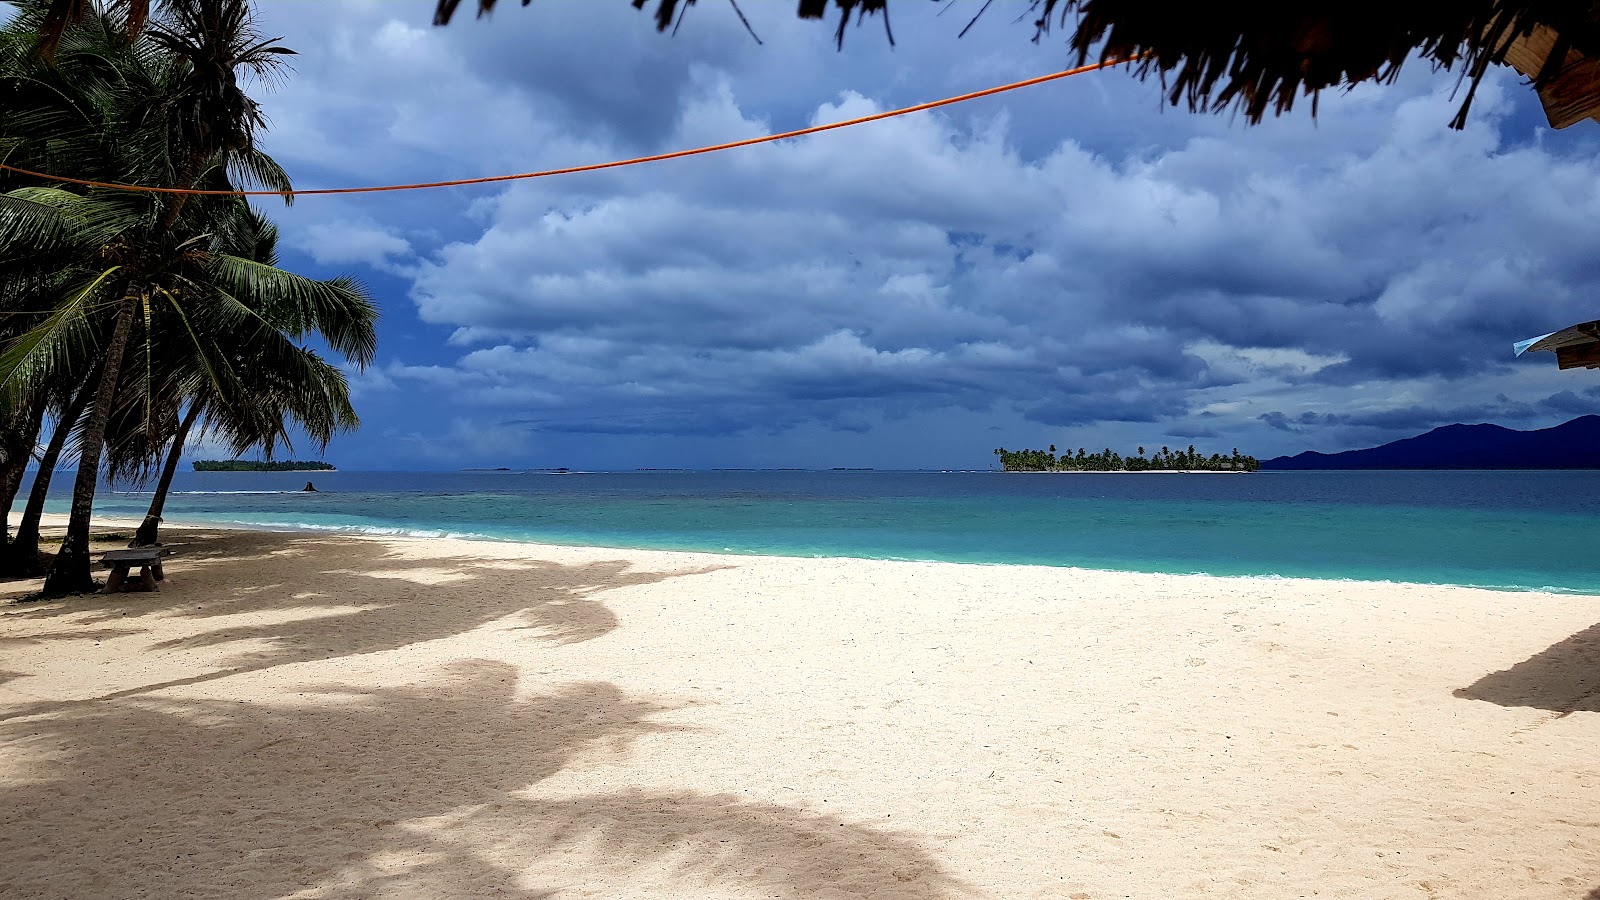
[{"x": 1262, "y": 57}]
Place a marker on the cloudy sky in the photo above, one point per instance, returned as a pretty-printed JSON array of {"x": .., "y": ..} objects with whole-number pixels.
[{"x": 1072, "y": 264}]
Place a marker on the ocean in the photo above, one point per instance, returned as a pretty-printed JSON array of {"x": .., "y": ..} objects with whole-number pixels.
[{"x": 1509, "y": 530}]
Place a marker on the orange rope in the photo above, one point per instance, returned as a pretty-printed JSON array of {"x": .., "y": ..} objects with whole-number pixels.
[{"x": 614, "y": 164}]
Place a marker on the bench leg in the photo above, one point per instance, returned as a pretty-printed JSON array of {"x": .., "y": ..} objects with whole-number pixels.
[
  {"x": 148, "y": 579},
  {"x": 114, "y": 580},
  {"x": 160, "y": 575}
]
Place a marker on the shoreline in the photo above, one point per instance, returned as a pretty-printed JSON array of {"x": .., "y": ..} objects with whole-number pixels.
[
  {"x": 424, "y": 534},
  {"x": 299, "y": 714},
  {"x": 59, "y": 520}
]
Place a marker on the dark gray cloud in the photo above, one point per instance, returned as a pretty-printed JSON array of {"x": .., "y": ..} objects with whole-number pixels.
[{"x": 1066, "y": 258}]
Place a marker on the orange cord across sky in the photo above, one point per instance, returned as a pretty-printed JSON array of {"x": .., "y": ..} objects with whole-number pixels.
[{"x": 571, "y": 170}]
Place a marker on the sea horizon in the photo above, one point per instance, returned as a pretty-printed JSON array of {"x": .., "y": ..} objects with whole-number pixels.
[{"x": 1511, "y": 530}]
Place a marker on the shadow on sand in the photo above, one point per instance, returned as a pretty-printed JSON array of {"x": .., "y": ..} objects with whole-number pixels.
[
  {"x": 333, "y": 597},
  {"x": 442, "y": 787},
  {"x": 430, "y": 790},
  {"x": 1564, "y": 678}
]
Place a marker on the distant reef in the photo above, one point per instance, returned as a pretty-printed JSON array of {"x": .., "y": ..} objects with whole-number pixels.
[
  {"x": 1571, "y": 445},
  {"x": 257, "y": 465}
]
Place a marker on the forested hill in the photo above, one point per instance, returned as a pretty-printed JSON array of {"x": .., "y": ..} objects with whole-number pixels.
[{"x": 1571, "y": 445}]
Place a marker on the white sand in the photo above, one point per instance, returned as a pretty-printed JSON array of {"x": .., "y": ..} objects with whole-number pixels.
[{"x": 314, "y": 717}]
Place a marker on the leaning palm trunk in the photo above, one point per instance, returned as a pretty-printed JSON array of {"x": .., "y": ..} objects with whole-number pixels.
[
  {"x": 22, "y": 556},
  {"x": 149, "y": 532},
  {"x": 70, "y": 572},
  {"x": 19, "y": 449}
]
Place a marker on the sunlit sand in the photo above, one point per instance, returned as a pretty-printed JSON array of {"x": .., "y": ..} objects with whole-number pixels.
[{"x": 316, "y": 716}]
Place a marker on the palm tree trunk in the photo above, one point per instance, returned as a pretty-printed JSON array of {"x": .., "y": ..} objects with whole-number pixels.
[
  {"x": 70, "y": 572},
  {"x": 18, "y": 452},
  {"x": 22, "y": 556},
  {"x": 150, "y": 530}
]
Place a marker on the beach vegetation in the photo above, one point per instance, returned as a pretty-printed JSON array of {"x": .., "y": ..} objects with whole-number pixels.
[
  {"x": 261, "y": 465},
  {"x": 132, "y": 319},
  {"x": 1109, "y": 460}
]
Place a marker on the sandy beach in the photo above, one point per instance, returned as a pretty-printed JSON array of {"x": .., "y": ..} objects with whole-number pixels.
[{"x": 313, "y": 716}]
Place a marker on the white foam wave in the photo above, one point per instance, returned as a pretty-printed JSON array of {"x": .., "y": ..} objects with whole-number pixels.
[{"x": 374, "y": 530}]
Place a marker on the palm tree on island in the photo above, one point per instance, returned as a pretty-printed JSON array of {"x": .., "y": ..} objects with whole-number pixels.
[{"x": 1109, "y": 460}]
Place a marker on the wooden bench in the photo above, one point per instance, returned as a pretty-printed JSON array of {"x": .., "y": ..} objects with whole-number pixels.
[{"x": 148, "y": 559}]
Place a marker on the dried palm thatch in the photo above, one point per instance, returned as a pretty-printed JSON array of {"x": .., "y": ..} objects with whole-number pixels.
[{"x": 1261, "y": 57}]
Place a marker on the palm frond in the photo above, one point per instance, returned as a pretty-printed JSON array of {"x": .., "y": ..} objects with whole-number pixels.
[
  {"x": 340, "y": 310},
  {"x": 254, "y": 169},
  {"x": 51, "y": 346}
]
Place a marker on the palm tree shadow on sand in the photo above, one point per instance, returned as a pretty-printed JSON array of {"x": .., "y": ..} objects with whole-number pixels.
[
  {"x": 429, "y": 790},
  {"x": 331, "y": 598},
  {"x": 1564, "y": 678}
]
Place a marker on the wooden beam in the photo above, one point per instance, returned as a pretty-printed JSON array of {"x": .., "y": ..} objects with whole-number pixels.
[
  {"x": 1574, "y": 94},
  {"x": 1528, "y": 53},
  {"x": 1585, "y": 356}
]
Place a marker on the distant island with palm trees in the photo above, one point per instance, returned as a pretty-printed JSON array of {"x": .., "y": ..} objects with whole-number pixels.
[
  {"x": 1109, "y": 460},
  {"x": 256, "y": 465}
]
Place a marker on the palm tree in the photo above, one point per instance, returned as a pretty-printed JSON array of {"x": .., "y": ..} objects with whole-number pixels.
[
  {"x": 224, "y": 338},
  {"x": 246, "y": 390},
  {"x": 167, "y": 109}
]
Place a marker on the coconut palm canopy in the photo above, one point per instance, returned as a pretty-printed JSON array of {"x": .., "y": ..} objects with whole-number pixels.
[{"x": 134, "y": 316}]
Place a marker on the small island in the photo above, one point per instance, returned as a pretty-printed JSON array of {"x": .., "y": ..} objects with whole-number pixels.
[
  {"x": 1109, "y": 460},
  {"x": 257, "y": 465}
]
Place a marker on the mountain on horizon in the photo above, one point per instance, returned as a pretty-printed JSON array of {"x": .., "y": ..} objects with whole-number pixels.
[{"x": 1570, "y": 445}]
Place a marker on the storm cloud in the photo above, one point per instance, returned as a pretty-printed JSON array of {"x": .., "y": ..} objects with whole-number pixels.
[{"x": 1073, "y": 264}]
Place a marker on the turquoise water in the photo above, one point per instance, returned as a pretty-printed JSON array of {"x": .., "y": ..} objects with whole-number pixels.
[{"x": 1517, "y": 530}]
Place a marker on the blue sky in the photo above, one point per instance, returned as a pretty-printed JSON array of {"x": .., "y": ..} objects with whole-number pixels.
[{"x": 1072, "y": 264}]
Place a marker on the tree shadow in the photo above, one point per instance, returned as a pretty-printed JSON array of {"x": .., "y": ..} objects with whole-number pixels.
[
  {"x": 80, "y": 634},
  {"x": 1563, "y": 678},
  {"x": 431, "y": 790},
  {"x": 335, "y": 597}
]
